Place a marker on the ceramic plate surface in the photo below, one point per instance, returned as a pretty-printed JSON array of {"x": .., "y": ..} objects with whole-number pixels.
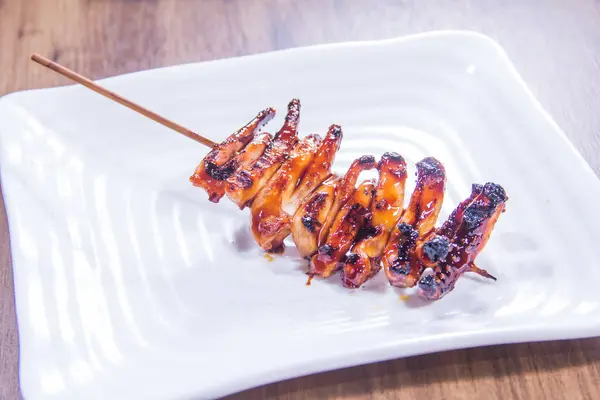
[{"x": 131, "y": 285}]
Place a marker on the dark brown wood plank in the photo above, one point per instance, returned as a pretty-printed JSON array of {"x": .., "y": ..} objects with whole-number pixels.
[{"x": 553, "y": 43}]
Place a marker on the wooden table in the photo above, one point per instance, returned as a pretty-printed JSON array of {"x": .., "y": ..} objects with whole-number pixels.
[{"x": 555, "y": 44}]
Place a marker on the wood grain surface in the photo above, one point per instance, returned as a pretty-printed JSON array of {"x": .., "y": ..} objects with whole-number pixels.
[{"x": 555, "y": 45}]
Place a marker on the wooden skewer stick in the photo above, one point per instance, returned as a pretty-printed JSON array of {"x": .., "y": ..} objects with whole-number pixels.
[{"x": 115, "y": 97}]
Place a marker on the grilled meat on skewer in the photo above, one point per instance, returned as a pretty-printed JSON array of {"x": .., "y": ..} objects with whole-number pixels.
[{"x": 289, "y": 186}]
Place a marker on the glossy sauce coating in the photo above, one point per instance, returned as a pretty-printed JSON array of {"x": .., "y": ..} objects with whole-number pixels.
[
  {"x": 344, "y": 229},
  {"x": 220, "y": 163},
  {"x": 244, "y": 184},
  {"x": 344, "y": 190},
  {"x": 400, "y": 263},
  {"x": 364, "y": 260},
  {"x": 309, "y": 219},
  {"x": 270, "y": 223},
  {"x": 470, "y": 227},
  {"x": 314, "y": 217},
  {"x": 318, "y": 171}
]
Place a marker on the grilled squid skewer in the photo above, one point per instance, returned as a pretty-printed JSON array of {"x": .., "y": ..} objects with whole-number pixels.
[{"x": 290, "y": 188}]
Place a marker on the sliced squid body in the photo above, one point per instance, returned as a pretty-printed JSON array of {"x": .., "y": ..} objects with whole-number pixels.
[
  {"x": 223, "y": 161},
  {"x": 344, "y": 190},
  {"x": 400, "y": 262},
  {"x": 271, "y": 224},
  {"x": 244, "y": 184},
  {"x": 313, "y": 219},
  {"x": 318, "y": 171},
  {"x": 364, "y": 260},
  {"x": 344, "y": 230},
  {"x": 310, "y": 216}
]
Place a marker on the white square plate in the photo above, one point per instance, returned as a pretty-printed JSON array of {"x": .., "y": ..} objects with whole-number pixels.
[{"x": 130, "y": 284}]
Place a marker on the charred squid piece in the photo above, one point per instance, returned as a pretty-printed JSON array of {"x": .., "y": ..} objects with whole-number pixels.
[
  {"x": 364, "y": 260},
  {"x": 346, "y": 225},
  {"x": 473, "y": 227},
  {"x": 402, "y": 266},
  {"x": 219, "y": 164},
  {"x": 479, "y": 219},
  {"x": 310, "y": 216},
  {"x": 344, "y": 190},
  {"x": 244, "y": 185},
  {"x": 428, "y": 196},
  {"x": 318, "y": 171},
  {"x": 436, "y": 246},
  {"x": 437, "y": 282},
  {"x": 270, "y": 223},
  {"x": 399, "y": 260}
]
